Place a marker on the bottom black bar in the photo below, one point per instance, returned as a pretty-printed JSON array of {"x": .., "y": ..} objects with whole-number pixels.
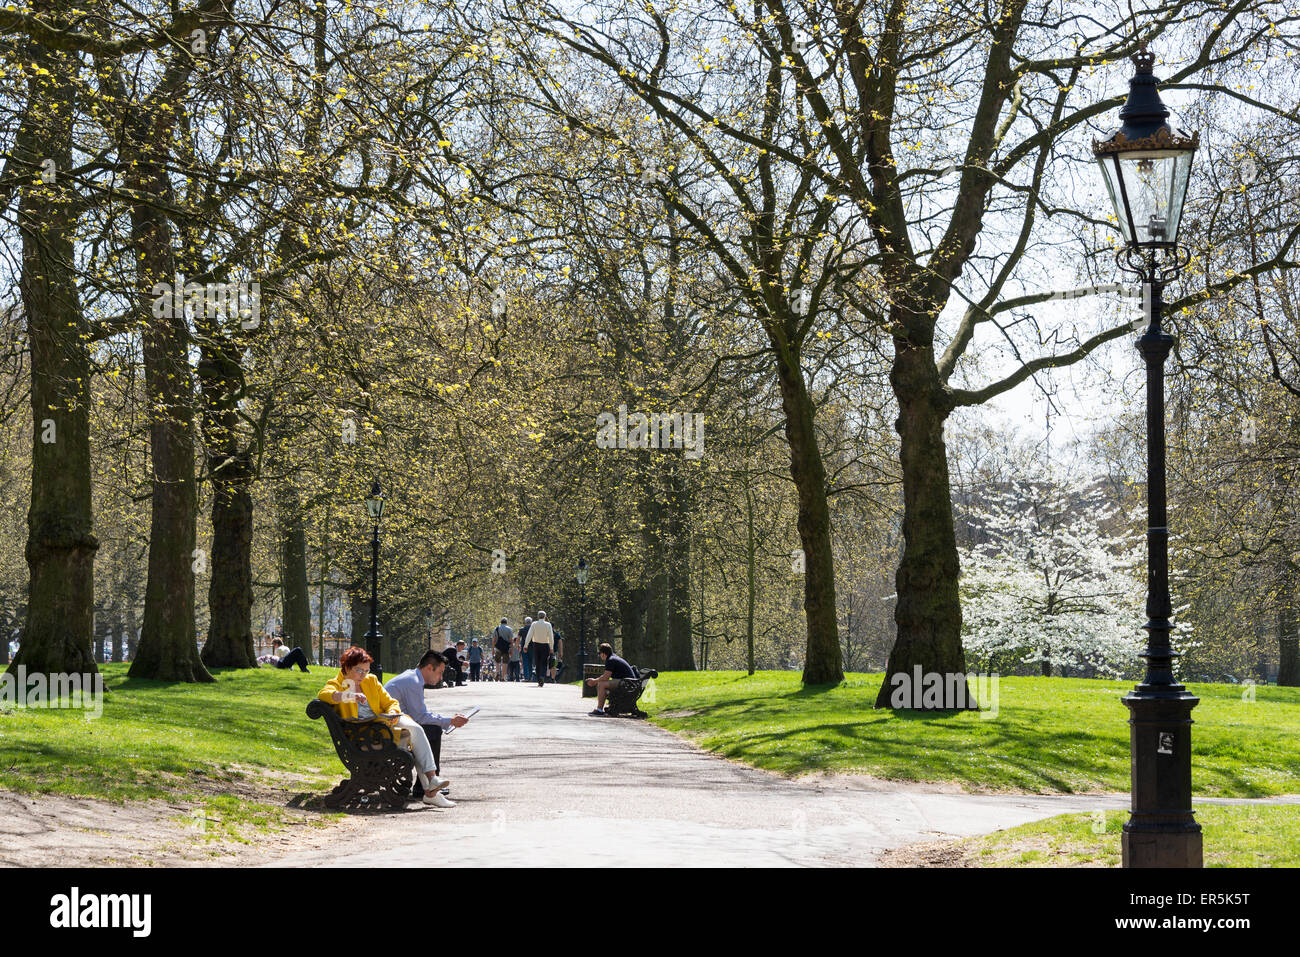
[{"x": 235, "y": 906}]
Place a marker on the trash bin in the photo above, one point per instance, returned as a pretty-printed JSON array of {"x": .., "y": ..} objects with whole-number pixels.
[{"x": 590, "y": 671}]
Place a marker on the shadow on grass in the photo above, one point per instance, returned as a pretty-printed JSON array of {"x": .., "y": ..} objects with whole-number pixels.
[
  {"x": 813, "y": 691},
  {"x": 127, "y": 683},
  {"x": 920, "y": 714},
  {"x": 947, "y": 757}
]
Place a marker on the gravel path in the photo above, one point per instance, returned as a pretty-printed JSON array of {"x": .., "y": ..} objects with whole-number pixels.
[{"x": 537, "y": 781}]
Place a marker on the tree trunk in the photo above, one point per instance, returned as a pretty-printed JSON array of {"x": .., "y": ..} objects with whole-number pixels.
[
  {"x": 117, "y": 635},
  {"x": 230, "y": 467},
  {"x": 680, "y": 656},
  {"x": 703, "y": 620},
  {"x": 749, "y": 576},
  {"x": 359, "y": 603},
  {"x": 230, "y": 590},
  {"x": 324, "y": 577},
  {"x": 168, "y": 650},
  {"x": 294, "y": 590},
  {"x": 822, "y": 662},
  {"x": 654, "y": 646},
  {"x": 631, "y": 610},
  {"x": 928, "y": 611},
  {"x": 850, "y": 648},
  {"x": 1288, "y": 640},
  {"x": 655, "y": 636},
  {"x": 131, "y": 626},
  {"x": 61, "y": 544}
]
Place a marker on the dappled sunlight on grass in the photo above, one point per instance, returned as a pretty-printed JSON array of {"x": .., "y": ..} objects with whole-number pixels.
[
  {"x": 155, "y": 736},
  {"x": 1232, "y": 837},
  {"x": 1049, "y": 734}
]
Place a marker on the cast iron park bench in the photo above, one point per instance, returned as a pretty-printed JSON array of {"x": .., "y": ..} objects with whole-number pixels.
[
  {"x": 622, "y": 700},
  {"x": 380, "y": 770}
]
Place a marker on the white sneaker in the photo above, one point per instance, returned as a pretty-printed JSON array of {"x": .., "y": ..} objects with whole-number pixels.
[
  {"x": 431, "y": 783},
  {"x": 439, "y": 800}
]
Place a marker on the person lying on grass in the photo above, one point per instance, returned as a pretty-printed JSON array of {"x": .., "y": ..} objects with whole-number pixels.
[
  {"x": 357, "y": 695},
  {"x": 282, "y": 657}
]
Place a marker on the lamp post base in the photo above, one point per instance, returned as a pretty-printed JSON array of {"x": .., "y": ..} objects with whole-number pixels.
[
  {"x": 1161, "y": 830},
  {"x": 1158, "y": 847}
]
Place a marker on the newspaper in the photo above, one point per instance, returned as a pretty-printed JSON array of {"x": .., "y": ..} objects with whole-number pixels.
[{"x": 468, "y": 714}]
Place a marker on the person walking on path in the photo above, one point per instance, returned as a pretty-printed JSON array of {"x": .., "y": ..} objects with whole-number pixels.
[
  {"x": 501, "y": 636},
  {"x": 516, "y": 661},
  {"x": 540, "y": 638},
  {"x": 557, "y": 656},
  {"x": 475, "y": 660},
  {"x": 523, "y": 644}
]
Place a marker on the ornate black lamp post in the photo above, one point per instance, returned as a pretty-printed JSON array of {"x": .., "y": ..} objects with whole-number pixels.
[
  {"x": 581, "y": 575},
  {"x": 1146, "y": 164},
  {"x": 375, "y": 508}
]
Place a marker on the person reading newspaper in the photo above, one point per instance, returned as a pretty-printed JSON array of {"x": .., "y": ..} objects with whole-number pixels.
[{"x": 408, "y": 689}]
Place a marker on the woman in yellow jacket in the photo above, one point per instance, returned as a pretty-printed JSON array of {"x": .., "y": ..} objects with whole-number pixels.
[{"x": 356, "y": 694}]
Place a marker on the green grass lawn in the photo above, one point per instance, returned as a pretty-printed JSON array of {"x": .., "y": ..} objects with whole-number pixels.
[
  {"x": 154, "y": 737},
  {"x": 1232, "y": 837},
  {"x": 1050, "y": 734}
]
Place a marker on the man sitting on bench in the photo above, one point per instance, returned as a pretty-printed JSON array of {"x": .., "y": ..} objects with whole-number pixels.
[
  {"x": 616, "y": 671},
  {"x": 408, "y": 689}
]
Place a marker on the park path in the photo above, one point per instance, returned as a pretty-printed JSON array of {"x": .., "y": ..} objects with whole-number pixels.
[{"x": 539, "y": 782}]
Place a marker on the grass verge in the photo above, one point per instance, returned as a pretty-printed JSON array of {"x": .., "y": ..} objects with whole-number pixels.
[
  {"x": 1048, "y": 734},
  {"x": 1233, "y": 836},
  {"x": 160, "y": 739}
]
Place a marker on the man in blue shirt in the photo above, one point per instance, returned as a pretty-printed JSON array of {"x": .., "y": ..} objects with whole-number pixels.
[
  {"x": 617, "y": 670},
  {"x": 408, "y": 689}
]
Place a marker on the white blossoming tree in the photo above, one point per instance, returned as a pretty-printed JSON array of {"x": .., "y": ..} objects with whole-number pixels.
[{"x": 1056, "y": 579}]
